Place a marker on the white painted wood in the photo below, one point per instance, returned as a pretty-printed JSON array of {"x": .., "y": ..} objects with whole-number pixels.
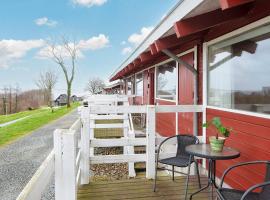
[
  {"x": 178, "y": 108},
  {"x": 78, "y": 177},
  {"x": 116, "y": 109},
  {"x": 78, "y": 160},
  {"x": 85, "y": 148},
  {"x": 40, "y": 180},
  {"x": 76, "y": 125},
  {"x": 91, "y": 136},
  {"x": 118, "y": 142},
  {"x": 109, "y": 117},
  {"x": 65, "y": 169},
  {"x": 150, "y": 135},
  {"x": 129, "y": 133},
  {"x": 125, "y": 126},
  {"x": 118, "y": 158}
]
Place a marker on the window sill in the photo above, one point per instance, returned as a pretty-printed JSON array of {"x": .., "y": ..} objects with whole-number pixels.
[{"x": 261, "y": 115}]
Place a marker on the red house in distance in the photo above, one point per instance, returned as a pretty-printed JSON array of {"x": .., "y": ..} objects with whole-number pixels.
[{"x": 215, "y": 53}]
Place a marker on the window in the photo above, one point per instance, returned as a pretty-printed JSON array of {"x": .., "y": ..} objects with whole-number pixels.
[
  {"x": 238, "y": 72},
  {"x": 139, "y": 84},
  {"x": 130, "y": 85},
  {"x": 166, "y": 81}
]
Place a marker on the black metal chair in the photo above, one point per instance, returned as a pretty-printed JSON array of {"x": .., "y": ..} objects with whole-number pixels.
[
  {"x": 182, "y": 159},
  {"x": 249, "y": 194}
]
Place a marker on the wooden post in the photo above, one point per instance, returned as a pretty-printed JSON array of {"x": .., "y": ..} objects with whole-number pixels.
[
  {"x": 65, "y": 164},
  {"x": 85, "y": 147},
  {"x": 128, "y": 149},
  {"x": 150, "y": 148}
]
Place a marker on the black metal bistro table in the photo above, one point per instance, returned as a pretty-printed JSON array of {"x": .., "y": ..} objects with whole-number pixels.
[{"x": 204, "y": 151}]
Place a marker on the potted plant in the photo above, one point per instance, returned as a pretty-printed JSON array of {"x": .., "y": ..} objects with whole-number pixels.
[{"x": 217, "y": 142}]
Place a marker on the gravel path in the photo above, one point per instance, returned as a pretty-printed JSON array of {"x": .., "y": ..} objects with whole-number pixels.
[{"x": 20, "y": 160}]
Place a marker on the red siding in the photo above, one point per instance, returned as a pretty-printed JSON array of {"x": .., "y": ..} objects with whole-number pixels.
[
  {"x": 138, "y": 100},
  {"x": 251, "y": 136},
  {"x": 149, "y": 86},
  {"x": 165, "y": 122},
  {"x": 186, "y": 93}
]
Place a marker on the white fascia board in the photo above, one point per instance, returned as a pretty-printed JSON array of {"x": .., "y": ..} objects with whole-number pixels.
[{"x": 182, "y": 8}]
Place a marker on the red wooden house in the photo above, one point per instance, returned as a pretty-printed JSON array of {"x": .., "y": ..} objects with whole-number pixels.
[{"x": 215, "y": 53}]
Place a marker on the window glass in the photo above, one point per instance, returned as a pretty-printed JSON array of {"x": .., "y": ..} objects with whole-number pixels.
[
  {"x": 166, "y": 81},
  {"x": 238, "y": 72},
  {"x": 130, "y": 85},
  {"x": 139, "y": 85}
]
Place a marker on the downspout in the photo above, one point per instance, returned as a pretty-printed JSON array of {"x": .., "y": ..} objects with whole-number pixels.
[{"x": 195, "y": 73}]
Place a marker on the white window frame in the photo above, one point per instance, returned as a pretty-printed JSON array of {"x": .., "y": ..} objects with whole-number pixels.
[
  {"x": 136, "y": 74},
  {"x": 206, "y": 45},
  {"x": 194, "y": 50}
]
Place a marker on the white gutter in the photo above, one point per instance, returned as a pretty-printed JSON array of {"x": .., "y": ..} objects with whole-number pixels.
[{"x": 179, "y": 11}]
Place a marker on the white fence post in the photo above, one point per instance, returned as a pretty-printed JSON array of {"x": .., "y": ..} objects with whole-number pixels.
[
  {"x": 128, "y": 149},
  {"x": 150, "y": 148},
  {"x": 85, "y": 146},
  {"x": 65, "y": 164}
]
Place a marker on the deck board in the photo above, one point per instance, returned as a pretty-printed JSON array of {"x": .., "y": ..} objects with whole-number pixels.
[{"x": 141, "y": 188}]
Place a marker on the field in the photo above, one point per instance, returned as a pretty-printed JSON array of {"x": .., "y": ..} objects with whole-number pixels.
[
  {"x": 35, "y": 120},
  {"x": 11, "y": 117}
]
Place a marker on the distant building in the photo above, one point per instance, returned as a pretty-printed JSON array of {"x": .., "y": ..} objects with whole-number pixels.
[
  {"x": 61, "y": 100},
  {"x": 114, "y": 88}
]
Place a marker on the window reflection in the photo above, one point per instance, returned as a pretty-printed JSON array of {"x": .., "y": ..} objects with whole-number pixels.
[
  {"x": 166, "y": 81},
  {"x": 130, "y": 85},
  {"x": 238, "y": 72},
  {"x": 139, "y": 84}
]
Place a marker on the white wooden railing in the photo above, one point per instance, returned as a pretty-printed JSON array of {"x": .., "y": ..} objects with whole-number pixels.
[
  {"x": 64, "y": 159},
  {"x": 67, "y": 161},
  {"x": 39, "y": 182},
  {"x": 74, "y": 148}
]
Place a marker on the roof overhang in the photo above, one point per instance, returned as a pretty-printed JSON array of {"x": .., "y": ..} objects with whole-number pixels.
[
  {"x": 182, "y": 9},
  {"x": 186, "y": 23}
]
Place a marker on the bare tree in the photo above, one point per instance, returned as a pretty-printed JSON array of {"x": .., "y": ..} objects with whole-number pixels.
[
  {"x": 94, "y": 85},
  {"x": 17, "y": 90},
  {"x": 4, "y": 99},
  {"x": 62, "y": 54},
  {"x": 47, "y": 82}
]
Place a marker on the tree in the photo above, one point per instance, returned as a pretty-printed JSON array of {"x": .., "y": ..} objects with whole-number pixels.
[
  {"x": 4, "y": 99},
  {"x": 17, "y": 90},
  {"x": 47, "y": 82},
  {"x": 61, "y": 54},
  {"x": 95, "y": 85}
]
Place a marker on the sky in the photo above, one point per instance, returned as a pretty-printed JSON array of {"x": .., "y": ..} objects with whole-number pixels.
[{"x": 106, "y": 32}]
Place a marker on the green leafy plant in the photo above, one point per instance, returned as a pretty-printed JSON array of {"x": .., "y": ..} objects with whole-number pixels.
[{"x": 225, "y": 131}]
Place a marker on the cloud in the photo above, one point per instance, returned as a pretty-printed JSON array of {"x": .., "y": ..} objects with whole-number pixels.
[
  {"x": 126, "y": 50},
  {"x": 44, "y": 21},
  {"x": 137, "y": 38},
  {"x": 93, "y": 43},
  {"x": 12, "y": 50},
  {"x": 89, "y": 3}
]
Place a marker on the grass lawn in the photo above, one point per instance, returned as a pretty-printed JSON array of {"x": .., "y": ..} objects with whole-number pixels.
[
  {"x": 11, "y": 117},
  {"x": 14, "y": 131}
]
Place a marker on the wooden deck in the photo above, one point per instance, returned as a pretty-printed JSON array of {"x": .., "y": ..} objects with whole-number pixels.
[{"x": 141, "y": 188}]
